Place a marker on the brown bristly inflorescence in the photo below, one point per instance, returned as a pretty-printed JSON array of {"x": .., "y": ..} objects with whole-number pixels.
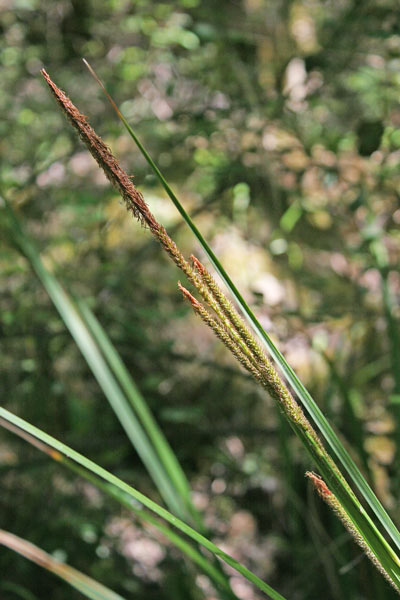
[
  {"x": 133, "y": 198},
  {"x": 325, "y": 493},
  {"x": 242, "y": 337}
]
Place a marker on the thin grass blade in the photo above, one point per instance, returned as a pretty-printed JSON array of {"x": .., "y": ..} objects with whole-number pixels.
[
  {"x": 137, "y": 496},
  {"x": 214, "y": 573},
  {"x": 86, "y": 585},
  {"x": 164, "y": 451},
  {"x": 73, "y": 320}
]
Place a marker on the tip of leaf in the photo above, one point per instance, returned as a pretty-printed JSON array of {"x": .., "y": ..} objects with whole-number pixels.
[{"x": 101, "y": 84}]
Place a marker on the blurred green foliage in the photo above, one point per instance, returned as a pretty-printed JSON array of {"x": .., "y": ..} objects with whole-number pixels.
[{"x": 278, "y": 123}]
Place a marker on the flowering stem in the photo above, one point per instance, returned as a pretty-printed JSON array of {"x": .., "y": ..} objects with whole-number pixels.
[{"x": 229, "y": 327}]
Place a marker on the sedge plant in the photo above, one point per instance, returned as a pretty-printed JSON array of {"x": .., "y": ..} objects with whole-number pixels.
[
  {"x": 304, "y": 397},
  {"x": 220, "y": 315}
]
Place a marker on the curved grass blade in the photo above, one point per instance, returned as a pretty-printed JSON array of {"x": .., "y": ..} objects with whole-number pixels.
[
  {"x": 18, "y": 590},
  {"x": 153, "y": 448},
  {"x": 213, "y": 572},
  {"x": 89, "y": 587},
  {"x": 164, "y": 451},
  {"x": 167, "y": 457},
  {"x": 73, "y": 320},
  {"x": 302, "y": 393},
  {"x": 137, "y": 496}
]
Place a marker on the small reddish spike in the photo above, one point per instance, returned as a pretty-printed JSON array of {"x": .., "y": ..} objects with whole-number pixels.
[
  {"x": 189, "y": 296},
  {"x": 319, "y": 484},
  {"x": 197, "y": 265}
]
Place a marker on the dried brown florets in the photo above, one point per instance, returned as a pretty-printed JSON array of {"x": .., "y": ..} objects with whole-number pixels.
[{"x": 104, "y": 157}]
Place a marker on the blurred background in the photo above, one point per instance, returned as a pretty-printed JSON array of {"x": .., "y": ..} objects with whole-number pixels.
[{"x": 277, "y": 124}]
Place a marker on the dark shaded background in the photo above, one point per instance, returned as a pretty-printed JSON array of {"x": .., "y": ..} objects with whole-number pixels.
[{"x": 277, "y": 124}]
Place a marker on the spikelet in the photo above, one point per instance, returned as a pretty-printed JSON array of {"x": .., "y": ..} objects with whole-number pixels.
[{"x": 325, "y": 493}]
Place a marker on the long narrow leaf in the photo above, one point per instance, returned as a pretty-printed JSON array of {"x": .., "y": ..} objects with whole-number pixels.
[
  {"x": 88, "y": 586},
  {"x": 167, "y": 457},
  {"x": 214, "y": 573},
  {"x": 75, "y": 323},
  {"x": 137, "y": 496},
  {"x": 304, "y": 396},
  {"x": 121, "y": 391},
  {"x": 18, "y": 590},
  {"x": 165, "y": 454}
]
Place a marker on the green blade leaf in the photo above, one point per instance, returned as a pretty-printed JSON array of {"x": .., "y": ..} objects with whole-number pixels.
[
  {"x": 214, "y": 572},
  {"x": 88, "y": 586},
  {"x": 137, "y": 496},
  {"x": 121, "y": 391},
  {"x": 162, "y": 447},
  {"x": 302, "y": 393},
  {"x": 73, "y": 320}
]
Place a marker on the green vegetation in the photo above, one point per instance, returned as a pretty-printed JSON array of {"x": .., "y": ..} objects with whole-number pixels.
[{"x": 281, "y": 139}]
